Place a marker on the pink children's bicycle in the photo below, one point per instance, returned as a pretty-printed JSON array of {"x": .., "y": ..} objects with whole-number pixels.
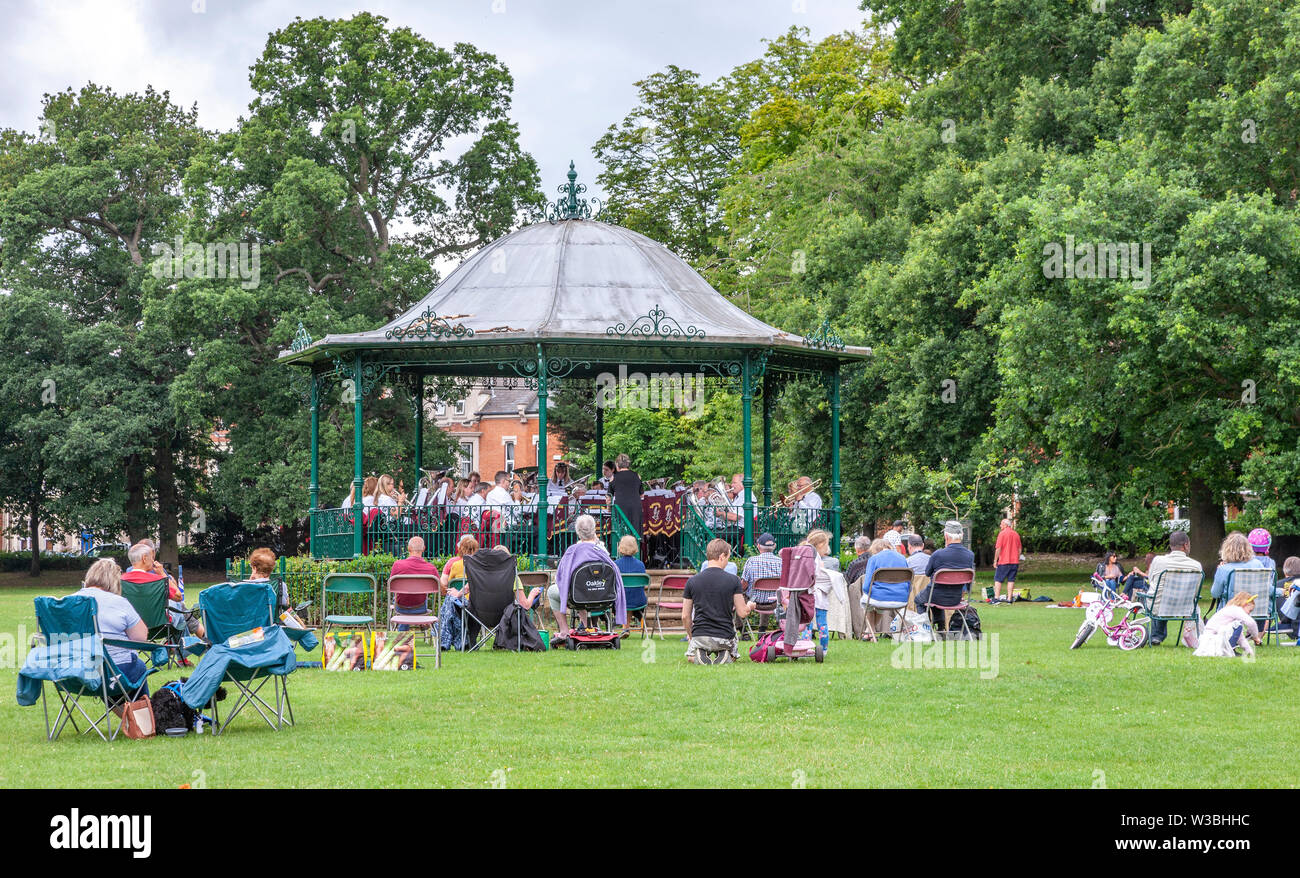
[{"x": 1128, "y": 633}]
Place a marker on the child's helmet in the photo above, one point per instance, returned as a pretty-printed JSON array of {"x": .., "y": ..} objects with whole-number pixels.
[{"x": 1260, "y": 539}]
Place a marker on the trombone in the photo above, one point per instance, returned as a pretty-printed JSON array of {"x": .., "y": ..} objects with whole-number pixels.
[{"x": 787, "y": 501}]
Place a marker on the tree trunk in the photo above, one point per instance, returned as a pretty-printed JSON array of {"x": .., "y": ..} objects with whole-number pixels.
[
  {"x": 137, "y": 528},
  {"x": 34, "y": 521},
  {"x": 1205, "y": 524},
  {"x": 164, "y": 469}
]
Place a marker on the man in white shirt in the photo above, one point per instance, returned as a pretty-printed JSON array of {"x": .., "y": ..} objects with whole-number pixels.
[
  {"x": 500, "y": 494},
  {"x": 810, "y": 500},
  {"x": 477, "y": 498},
  {"x": 1177, "y": 559}
]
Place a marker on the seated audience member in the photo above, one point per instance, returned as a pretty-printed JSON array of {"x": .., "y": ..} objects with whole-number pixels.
[
  {"x": 145, "y": 569},
  {"x": 886, "y": 597},
  {"x": 1110, "y": 571},
  {"x": 1176, "y": 559},
  {"x": 262, "y": 562},
  {"x": 1137, "y": 577},
  {"x": 861, "y": 548},
  {"x": 588, "y": 548},
  {"x": 1288, "y": 605},
  {"x": 711, "y": 598},
  {"x": 628, "y": 556},
  {"x": 412, "y": 565},
  {"x": 765, "y": 565},
  {"x": 953, "y": 556},
  {"x": 455, "y": 567},
  {"x": 118, "y": 620},
  {"x": 1235, "y": 553},
  {"x": 917, "y": 556},
  {"x": 1260, "y": 541}
]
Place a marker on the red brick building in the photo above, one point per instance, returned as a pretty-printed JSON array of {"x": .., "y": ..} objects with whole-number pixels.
[{"x": 496, "y": 428}]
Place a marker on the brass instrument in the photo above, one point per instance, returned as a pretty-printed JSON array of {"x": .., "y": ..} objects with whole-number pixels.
[{"x": 787, "y": 501}]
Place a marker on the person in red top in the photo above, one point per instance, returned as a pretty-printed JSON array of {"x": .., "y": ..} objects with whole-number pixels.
[
  {"x": 413, "y": 563},
  {"x": 1006, "y": 560}
]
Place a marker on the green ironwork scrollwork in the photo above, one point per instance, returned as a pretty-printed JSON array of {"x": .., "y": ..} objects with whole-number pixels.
[
  {"x": 557, "y": 369},
  {"x": 656, "y": 324},
  {"x": 429, "y": 325},
  {"x": 301, "y": 339},
  {"x": 571, "y": 206},
  {"x": 824, "y": 338},
  {"x": 373, "y": 373}
]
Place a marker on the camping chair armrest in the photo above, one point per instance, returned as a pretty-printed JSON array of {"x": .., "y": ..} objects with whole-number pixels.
[
  {"x": 303, "y": 637},
  {"x": 137, "y": 645}
]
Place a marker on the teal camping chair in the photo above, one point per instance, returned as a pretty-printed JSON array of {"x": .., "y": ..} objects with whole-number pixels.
[
  {"x": 1262, "y": 584},
  {"x": 635, "y": 587},
  {"x": 150, "y": 600},
  {"x": 249, "y": 649},
  {"x": 74, "y": 658}
]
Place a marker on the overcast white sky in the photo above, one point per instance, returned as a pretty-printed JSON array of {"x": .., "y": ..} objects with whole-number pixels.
[{"x": 574, "y": 61}]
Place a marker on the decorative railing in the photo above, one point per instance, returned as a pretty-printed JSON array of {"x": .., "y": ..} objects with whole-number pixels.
[
  {"x": 789, "y": 526},
  {"x": 386, "y": 530}
]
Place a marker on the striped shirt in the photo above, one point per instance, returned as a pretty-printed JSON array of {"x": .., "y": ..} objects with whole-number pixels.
[{"x": 761, "y": 567}]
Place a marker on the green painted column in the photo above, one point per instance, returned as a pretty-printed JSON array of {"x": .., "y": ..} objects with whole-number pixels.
[
  {"x": 747, "y": 404},
  {"x": 542, "y": 453},
  {"x": 767, "y": 441},
  {"x": 600, "y": 437},
  {"x": 313, "y": 489},
  {"x": 419, "y": 430},
  {"x": 358, "y": 506},
  {"x": 835, "y": 455}
]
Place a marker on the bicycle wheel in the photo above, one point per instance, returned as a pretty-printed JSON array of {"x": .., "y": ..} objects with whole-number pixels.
[
  {"x": 1085, "y": 631},
  {"x": 1133, "y": 637}
]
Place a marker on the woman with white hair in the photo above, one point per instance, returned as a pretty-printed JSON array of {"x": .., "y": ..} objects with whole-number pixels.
[
  {"x": 588, "y": 548},
  {"x": 118, "y": 620}
]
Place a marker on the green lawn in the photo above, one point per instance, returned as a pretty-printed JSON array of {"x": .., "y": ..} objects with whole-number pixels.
[{"x": 643, "y": 717}]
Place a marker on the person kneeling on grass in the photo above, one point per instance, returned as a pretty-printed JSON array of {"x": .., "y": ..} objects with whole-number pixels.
[
  {"x": 1231, "y": 629},
  {"x": 710, "y": 598}
]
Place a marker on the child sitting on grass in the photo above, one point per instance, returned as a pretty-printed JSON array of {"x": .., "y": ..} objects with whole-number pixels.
[{"x": 1231, "y": 628}]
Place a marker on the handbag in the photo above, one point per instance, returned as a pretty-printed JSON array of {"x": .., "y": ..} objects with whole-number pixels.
[{"x": 137, "y": 718}]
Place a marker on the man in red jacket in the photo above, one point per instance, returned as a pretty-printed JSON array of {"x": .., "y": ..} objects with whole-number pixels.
[{"x": 1006, "y": 560}]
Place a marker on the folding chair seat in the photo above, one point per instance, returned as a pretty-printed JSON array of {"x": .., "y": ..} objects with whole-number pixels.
[
  {"x": 893, "y": 595},
  {"x": 238, "y": 608},
  {"x": 536, "y": 579},
  {"x": 415, "y": 584},
  {"x": 75, "y": 660},
  {"x": 949, "y": 578},
  {"x": 675, "y": 585},
  {"x": 1173, "y": 595}
]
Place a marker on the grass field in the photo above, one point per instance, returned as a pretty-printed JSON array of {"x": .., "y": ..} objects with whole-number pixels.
[{"x": 643, "y": 717}]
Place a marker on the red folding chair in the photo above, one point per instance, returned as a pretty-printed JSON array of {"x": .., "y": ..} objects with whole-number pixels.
[
  {"x": 964, "y": 578},
  {"x": 670, "y": 584},
  {"x": 414, "y": 584},
  {"x": 767, "y": 609}
]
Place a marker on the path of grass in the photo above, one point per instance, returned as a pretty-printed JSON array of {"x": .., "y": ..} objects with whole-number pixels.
[{"x": 642, "y": 717}]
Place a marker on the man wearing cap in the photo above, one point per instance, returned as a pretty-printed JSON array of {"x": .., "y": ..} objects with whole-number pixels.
[
  {"x": 953, "y": 556},
  {"x": 762, "y": 566}
]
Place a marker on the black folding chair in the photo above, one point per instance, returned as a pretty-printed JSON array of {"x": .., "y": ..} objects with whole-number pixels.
[{"x": 490, "y": 575}]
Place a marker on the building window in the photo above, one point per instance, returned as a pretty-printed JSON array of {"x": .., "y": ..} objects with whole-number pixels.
[
  {"x": 510, "y": 456},
  {"x": 460, "y": 409},
  {"x": 440, "y": 409},
  {"x": 466, "y": 459}
]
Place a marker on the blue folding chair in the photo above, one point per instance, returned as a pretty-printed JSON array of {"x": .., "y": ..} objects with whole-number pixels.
[
  {"x": 229, "y": 610},
  {"x": 74, "y": 658}
]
